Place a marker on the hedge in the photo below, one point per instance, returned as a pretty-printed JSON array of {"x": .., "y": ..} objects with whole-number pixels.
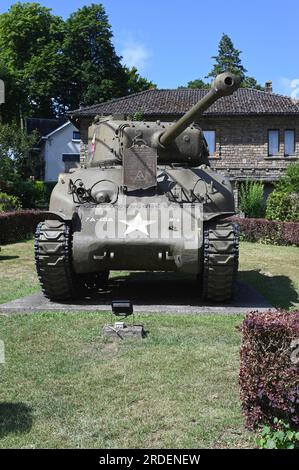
[
  {"x": 16, "y": 226},
  {"x": 269, "y": 372},
  {"x": 268, "y": 231}
]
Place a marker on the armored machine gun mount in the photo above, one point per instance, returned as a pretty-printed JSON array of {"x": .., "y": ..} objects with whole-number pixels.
[{"x": 146, "y": 200}]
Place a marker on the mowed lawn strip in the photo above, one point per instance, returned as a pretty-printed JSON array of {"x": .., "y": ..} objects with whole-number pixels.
[
  {"x": 272, "y": 270},
  {"x": 64, "y": 385}
]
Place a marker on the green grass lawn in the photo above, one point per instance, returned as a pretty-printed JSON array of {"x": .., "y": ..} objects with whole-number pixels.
[
  {"x": 63, "y": 385},
  {"x": 272, "y": 270}
]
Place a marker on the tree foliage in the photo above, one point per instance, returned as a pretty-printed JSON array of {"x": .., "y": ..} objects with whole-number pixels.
[
  {"x": 227, "y": 59},
  {"x": 283, "y": 206},
  {"x": 136, "y": 83},
  {"x": 30, "y": 56},
  {"x": 15, "y": 146},
  {"x": 197, "y": 83},
  {"x": 17, "y": 164},
  {"x": 289, "y": 182},
  {"x": 9, "y": 203},
  {"x": 93, "y": 70},
  {"x": 50, "y": 65}
]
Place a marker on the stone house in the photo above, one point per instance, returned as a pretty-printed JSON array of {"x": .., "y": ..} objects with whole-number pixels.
[{"x": 251, "y": 134}]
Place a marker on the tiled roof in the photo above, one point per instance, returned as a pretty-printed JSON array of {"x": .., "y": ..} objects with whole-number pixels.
[{"x": 244, "y": 101}]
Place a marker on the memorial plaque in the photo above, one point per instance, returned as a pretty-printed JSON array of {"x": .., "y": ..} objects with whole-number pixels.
[{"x": 140, "y": 167}]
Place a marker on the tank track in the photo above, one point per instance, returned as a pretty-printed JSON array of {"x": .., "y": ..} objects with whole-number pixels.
[
  {"x": 53, "y": 258},
  {"x": 221, "y": 257}
]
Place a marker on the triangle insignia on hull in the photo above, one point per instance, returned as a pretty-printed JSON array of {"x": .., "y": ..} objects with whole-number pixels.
[{"x": 140, "y": 176}]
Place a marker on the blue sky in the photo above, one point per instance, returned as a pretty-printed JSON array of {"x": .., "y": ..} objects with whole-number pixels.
[{"x": 172, "y": 41}]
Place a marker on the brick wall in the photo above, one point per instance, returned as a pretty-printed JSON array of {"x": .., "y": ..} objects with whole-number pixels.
[{"x": 242, "y": 145}]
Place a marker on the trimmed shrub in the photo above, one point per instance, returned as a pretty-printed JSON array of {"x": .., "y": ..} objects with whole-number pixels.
[
  {"x": 283, "y": 206},
  {"x": 283, "y": 202},
  {"x": 9, "y": 203},
  {"x": 252, "y": 198},
  {"x": 289, "y": 182},
  {"x": 268, "y": 231},
  {"x": 269, "y": 372},
  {"x": 16, "y": 226}
]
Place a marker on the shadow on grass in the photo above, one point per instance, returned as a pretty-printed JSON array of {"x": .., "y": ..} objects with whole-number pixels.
[
  {"x": 15, "y": 418},
  {"x": 4, "y": 258},
  {"x": 278, "y": 290}
]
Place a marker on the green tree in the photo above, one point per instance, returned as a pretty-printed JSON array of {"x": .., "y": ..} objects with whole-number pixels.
[
  {"x": 197, "y": 83},
  {"x": 92, "y": 71},
  {"x": 9, "y": 111},
  {"x": 30, "y": 58},
  {"x": 228, "y": 59},
  {"x": 15, "y": 146},
  {"x": 136, "y": 83},
  {"x": 50, "y": 66},
  {"x": 250, "y": 82}
]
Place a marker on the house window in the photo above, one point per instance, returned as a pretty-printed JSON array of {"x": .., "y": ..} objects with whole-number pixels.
[
  {"x": 71, "y": 160},
  {"x": 273, "y": 142},
  {"x": 289, "y": 142},
  {"x": 76, "y": 135},
  {"x": 210, "y": 137}
]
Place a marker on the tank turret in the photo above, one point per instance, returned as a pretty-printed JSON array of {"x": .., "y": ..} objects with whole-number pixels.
[
  {"x": 179, "y": 142},
  {"x": 146, "y": 199}
]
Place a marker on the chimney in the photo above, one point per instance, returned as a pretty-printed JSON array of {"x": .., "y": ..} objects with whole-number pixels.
[{"x": 268, "y": 86}]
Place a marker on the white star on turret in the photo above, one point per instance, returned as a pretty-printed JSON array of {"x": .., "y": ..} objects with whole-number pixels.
[{"x": 137, "y": 224}]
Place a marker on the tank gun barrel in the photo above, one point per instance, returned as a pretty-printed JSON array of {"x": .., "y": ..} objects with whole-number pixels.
[{"x": 224, "y": 84}]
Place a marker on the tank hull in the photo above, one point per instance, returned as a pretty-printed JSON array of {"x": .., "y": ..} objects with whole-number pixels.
[{"x": 137, "y": 236}]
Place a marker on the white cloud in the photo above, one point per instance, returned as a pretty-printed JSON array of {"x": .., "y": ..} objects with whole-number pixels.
[
  {"x": 285, "y": 85},
  {"x": 290, "y": 87},
  {"x": 135, "y": 54}
]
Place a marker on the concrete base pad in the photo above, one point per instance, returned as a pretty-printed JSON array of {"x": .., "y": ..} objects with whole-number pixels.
[{"x": 148, "y": 295}]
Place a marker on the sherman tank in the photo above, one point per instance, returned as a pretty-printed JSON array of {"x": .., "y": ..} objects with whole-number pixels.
[{"x": 146, "y": 199}]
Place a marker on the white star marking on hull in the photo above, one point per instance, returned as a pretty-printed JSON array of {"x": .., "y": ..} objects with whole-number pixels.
[{"x": 137, "y": 224}]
